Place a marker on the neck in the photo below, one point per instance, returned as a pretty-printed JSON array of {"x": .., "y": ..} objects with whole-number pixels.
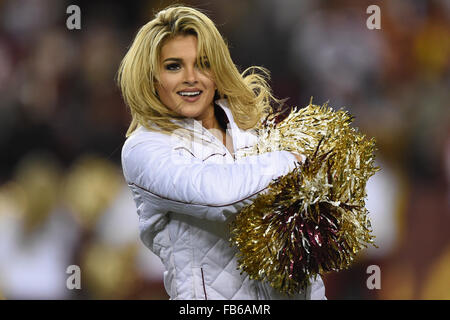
[{"x": 209, "y": 120}]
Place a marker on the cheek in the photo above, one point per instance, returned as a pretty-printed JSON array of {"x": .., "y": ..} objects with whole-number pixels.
[
  {"x": 164, "y": 87},
  {"x": 168, "y": 81},
  {"x": 209, "y": 78},
  {"x": 209, "y": 83},
  {"x": 164, "y": 95}
]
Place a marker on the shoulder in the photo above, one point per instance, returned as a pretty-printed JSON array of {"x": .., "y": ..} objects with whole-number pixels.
[
  {"x": 143, "y": 135},
  {"x": 142, "y": 144}
]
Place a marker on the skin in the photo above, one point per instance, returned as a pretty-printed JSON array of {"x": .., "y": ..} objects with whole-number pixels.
[{"x": 179, "y": 72}]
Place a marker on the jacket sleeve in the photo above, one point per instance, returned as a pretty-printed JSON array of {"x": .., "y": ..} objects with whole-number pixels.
[{"x": 187, "y": 184}]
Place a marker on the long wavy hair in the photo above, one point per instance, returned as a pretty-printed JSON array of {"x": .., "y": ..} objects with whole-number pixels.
[{"x": 248, "y": 94}]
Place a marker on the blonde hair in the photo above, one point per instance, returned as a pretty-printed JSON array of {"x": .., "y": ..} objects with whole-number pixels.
[{"x": 249, "y": 95}]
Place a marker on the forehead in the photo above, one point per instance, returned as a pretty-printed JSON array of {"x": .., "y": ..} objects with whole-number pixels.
[{"x": 181, "y": 46}]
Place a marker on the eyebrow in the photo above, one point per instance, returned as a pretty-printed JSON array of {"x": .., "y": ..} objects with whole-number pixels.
[
  {"x": 178, "y": 59},
  {"x": 173, "y": 59}
]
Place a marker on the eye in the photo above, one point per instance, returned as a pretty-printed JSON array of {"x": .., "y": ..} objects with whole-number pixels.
[
  {"x": 205, "y": 64},
  {"x": 172, "y": 66}
]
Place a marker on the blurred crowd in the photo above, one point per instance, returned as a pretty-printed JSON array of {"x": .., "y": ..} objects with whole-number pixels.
[{"x": 63, "y": 199}]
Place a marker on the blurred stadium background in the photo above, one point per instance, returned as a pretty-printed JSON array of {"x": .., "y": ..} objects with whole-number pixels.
[{"x": 63, "y": 200}]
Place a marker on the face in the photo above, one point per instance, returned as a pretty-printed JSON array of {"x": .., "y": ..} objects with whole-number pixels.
[{"x": 183, "y": 87}]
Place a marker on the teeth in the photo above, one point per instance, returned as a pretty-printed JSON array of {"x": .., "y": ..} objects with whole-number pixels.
[{"x": 189, "y": 93}]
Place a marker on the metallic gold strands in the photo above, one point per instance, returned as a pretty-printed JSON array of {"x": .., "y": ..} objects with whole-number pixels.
[{"x": 312, "y": 220}]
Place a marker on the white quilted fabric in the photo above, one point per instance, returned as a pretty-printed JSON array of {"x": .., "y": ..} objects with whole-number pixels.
[{"x": 186, "y": 192}]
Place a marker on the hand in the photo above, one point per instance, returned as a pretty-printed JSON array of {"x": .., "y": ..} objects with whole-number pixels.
[{"x": 300, "y": 158}]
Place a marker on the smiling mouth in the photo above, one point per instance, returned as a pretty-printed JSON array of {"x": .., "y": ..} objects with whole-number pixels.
[{"x": 189, "y": 93}]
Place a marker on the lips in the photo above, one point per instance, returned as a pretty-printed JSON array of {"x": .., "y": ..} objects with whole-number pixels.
[
  {"x": 190, "y": 95},
  {"x": 192, "y": 92}
]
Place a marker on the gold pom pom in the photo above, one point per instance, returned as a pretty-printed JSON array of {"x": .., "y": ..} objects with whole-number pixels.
[{"x": 312, "y": 220}]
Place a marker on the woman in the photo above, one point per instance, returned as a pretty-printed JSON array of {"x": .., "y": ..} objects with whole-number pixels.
[{"x": 192, "y": 111}]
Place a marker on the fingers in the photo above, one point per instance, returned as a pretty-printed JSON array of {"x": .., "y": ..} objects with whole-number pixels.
[{"x": 300, "y": 157}]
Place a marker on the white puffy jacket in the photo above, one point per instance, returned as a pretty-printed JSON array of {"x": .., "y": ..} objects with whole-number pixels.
[{"x": 186, "y": 192}]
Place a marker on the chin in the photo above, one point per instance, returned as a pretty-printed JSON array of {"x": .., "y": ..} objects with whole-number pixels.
[{"x": 192, "y": 111}]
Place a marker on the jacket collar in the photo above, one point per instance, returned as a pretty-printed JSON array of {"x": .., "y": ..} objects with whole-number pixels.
[{"x": 241, "y": 138}]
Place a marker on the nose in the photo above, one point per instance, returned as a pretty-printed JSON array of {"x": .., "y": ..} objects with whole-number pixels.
[{"x": 190, "y": 75}]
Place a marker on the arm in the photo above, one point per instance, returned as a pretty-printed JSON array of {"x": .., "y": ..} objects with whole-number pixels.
[{"x": 151, "y": 165}]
